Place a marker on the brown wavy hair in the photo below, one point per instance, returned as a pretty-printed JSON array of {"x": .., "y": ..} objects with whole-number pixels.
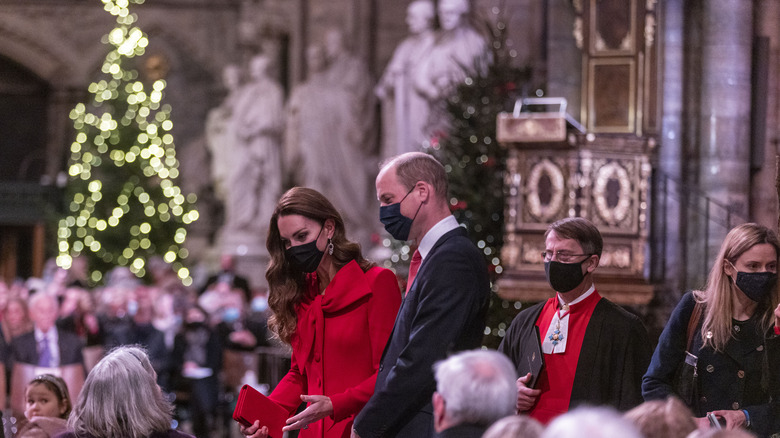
[{"x": 287, "y": 285}]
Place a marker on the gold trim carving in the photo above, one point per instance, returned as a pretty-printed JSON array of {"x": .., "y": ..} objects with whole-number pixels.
[
  {"x": 532, "y": 253},
  {"x": 544, "y": 213},
  {"x": 577, "y": 33},
  {"x": 649, "y": 30},
  {"x": 650, "y": 4},
  {"x": 510, "y": 251},
  {"x": 618, "y": 256},
  {"x": 616, "y": 215},
  {"x": 598, "y": 46},
  {"x": 625, "y": 44}
]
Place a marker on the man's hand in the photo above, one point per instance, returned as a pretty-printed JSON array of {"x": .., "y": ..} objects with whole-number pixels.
[
  {"x": 526, "y": 397},
  {"x": 319, "y": 407}
]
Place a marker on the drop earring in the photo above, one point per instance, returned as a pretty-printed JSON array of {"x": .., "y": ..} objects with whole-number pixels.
[{"x": 330, "y": 247}]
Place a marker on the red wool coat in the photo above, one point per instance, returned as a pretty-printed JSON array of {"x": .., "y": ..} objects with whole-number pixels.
[{"x": 338, "y": 343}]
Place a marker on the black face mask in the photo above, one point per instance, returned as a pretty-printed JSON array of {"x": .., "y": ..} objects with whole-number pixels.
[
  {"x": 395, "y": 223},
  {"x": 564, "y": 277},
  {"x": 756, "y": 285},
  {"x": 305, "y": 257}
]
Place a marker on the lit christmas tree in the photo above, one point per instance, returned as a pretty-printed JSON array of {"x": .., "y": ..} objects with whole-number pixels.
[
  {"x": 476, "y": 163},
  {"x": 125, "y": 205}
]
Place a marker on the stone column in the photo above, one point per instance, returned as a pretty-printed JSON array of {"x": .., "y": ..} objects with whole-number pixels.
[
  {"x": 668, "y": 263},
  {"x": 727, "y": 36},
  {"x": 763, "y": 196},
  {"x": 724, "y": 121},
  {"x": 564, "y": 64}
]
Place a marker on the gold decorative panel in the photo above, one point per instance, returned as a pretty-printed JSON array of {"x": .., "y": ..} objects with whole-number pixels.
[
  {"x": 607, "y": 182},
  {"x": 611, "y": 95},
  {"x": 616, "y": 186},
  {"x": 612, "y": 27},
  {"x": 620, "y": 67}
]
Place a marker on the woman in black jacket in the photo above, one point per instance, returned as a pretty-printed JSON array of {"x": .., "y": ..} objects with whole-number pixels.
[{"x": 728, "y": 334}]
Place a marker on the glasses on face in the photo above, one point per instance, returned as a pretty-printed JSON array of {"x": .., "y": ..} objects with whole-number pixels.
[{"x": 561, "y": 256}]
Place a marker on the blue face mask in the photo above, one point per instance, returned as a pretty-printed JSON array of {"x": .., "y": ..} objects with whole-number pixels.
[
  {"x": 231, "y": 314},
  {"x": 132, "y": 307},
  {"x": 395, "y": 223}
]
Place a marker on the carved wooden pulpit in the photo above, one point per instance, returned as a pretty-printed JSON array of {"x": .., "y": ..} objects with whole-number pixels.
[{"x": 600, "y": 170}]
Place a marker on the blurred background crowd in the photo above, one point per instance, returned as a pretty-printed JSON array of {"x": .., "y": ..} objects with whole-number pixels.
[{"x": 204, "y": 341}]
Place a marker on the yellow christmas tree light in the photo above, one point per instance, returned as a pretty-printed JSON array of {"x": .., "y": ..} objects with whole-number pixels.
[{"x": 125, "y": 206}]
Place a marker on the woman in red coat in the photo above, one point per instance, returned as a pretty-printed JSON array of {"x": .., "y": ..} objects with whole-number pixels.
[{"x": 333, "y": 307}]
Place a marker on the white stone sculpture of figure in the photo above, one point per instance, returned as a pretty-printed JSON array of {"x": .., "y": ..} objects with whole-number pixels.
[
  {"x": 321, "y": 149},
  {"x": 459, "y": 50},
  {"x": 404, "y": 110},
  {"x": 220, "y": 132},
  {"x": 350, "y": 73},
  {"x": 256, "y": 179}
]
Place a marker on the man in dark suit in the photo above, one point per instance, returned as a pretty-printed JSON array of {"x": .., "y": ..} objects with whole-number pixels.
[
  {"x": 446, "y": 301},
  {"x": 46, "y": 346},
  {"x": 228, "y": 275}
]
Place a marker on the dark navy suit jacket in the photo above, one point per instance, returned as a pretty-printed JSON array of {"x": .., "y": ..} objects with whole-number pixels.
[
  {"x": 443, "y": 312},
  {"x": 24, "y": 348}
]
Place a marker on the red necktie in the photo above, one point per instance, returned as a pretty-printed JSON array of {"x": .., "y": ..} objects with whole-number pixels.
[{"x": 413, "y": 267}]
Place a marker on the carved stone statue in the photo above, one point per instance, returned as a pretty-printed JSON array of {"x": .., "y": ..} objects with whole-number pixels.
[
  {"x": 255, "y": 180},
  {"x": 459, "y": 50},
  {"x": 350, "y": 73},
  {"x": 220, "y": 132},
  {"x": 404, "y": 110},
  {"x": 325, "y": 139}
]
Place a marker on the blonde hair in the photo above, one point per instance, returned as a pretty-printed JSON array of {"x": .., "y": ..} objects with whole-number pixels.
[
  {"x": 515, "y": 426},
  {"x": 718, "y": 314},
  {"x": 668, "y": 418}
]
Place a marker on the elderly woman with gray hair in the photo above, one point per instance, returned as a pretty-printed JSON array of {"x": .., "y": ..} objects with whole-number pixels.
[
  {"x": 474, "y": 389},
  {"x": 120, "y": 398}
]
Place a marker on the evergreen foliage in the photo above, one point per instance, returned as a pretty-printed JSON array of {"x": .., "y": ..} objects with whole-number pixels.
[
  {"x": 476, "y": 163},
  {"x": 123, "y": 203}
]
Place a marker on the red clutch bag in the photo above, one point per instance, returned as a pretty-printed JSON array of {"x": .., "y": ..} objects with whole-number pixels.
[{"x": 253, "y": 405}]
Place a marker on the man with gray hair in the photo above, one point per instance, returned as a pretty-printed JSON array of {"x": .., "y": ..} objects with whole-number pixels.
[{"x": 473, "y": 389}]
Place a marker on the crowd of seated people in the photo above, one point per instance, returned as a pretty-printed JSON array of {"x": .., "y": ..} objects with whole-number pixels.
[{"x": 58, "y": 321}]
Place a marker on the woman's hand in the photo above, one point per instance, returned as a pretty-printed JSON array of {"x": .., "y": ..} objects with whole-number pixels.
[
  {"x": 526, "y": 397},
  {"x": 734, "y": 419},
  {"x": 702, "y": 423},
  {"x": 254, "y": 431},
  {"x": 319, "y": 408}
]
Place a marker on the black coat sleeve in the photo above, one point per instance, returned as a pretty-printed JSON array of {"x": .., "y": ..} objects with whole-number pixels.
[{"x": 658, "y": 381}]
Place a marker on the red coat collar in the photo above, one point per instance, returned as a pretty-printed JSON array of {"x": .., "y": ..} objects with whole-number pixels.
[{"x": 348, "y": 286}]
